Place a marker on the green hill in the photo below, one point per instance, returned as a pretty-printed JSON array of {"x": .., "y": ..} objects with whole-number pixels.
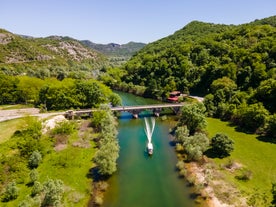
[
  {"x": 116, "y": 53},
  {"x": 193, "y": 57},
  {"x": 50, "y": 56}
]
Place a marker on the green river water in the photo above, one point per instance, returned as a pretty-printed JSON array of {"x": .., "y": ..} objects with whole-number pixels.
[{"x": 143, "y": 181}]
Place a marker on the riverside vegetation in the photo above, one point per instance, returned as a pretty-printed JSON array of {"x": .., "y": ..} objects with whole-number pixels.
[
  {"x": 233, "y": 66},
  {"x": 54, "y": 167}
]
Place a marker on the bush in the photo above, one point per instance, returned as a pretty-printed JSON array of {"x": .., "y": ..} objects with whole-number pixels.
[
  {"x": 53, "y": 190},
  {"x": 37, "y": 188},
  {"x": 196, "y": 145},
  {"x": 222, "y": 145},
  {"x": 244, "y": 175},
  {"x": 64, "y": 128},
  {"x": 35, "y": 159},
  {"x": 11, "y": 192},
  {"x": 33, "y": 176}
]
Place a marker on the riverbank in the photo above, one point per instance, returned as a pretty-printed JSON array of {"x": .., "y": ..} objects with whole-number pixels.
[{"x": 211, "y": 188}]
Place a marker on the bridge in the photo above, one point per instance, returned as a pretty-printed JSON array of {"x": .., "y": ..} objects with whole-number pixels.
[{"x": 134, "y": 110}]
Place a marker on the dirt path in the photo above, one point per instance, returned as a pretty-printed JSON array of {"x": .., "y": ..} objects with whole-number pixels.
[{"x": 18, "y": 113}]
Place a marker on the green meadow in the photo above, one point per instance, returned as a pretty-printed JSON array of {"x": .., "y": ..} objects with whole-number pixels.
[
  {"x": 71, "y": 164},
  {"x": 256, "y": 156}
]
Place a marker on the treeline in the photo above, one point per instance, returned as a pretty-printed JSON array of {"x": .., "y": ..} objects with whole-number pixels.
[
  {"x": 235, "y": 66},
  {"x": 53, "y": 94}
]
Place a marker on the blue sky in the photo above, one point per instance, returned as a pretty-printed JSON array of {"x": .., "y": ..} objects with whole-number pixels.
[{"x": 121, "y": 21}]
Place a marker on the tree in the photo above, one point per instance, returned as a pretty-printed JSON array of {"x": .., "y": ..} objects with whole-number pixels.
[
  {"x": 192, "y": 115},
  {"x": 271, "y": 126},
  {"x": 105, "y": 158},
  {"x": 35, "y": 159},
  {"x": 53, "y": 191},
  {"x": 251, "y": 117},
  {"x": 37, "y": 188},
  {"x": 108, "y": 152},
  {"x": 115, "y": 99},
  {"x": 33, "y": 176},
  {"x": 222, "y": 145},
  {"x": 181, "y": 134},
  {"x": 11, "y": 192},
  {"x": 196, "y": 145}
]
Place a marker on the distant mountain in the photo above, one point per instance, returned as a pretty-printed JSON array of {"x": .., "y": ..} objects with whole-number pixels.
[
  {"x": 50, "y": 56},
  {"x": 117, "y": 50}
]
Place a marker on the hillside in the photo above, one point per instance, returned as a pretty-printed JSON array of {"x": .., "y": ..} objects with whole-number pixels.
[
  {"x": 116, "y": 53},
  {"x": 117, "y": 50},
  {"x": 196, "y": 55},
  {"x": 50, "y": 56}
]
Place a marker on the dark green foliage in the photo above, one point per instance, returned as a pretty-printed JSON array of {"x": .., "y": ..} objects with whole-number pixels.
[
  {"x": 273, "y": 191},
  {"x": 115, "y": 99},
  {"x": 29, "y": 139},
  {"x": 37, "y": 188},
  {"x": 108, "y": 152},
  {"x": 11, "y": 192},
  {"x": 192, "y": 115},
  {"x": 251, "y": 117},
  {"x": 8, "y": 89},
  {"x": 195, "y": 146},
  {"x": 266, "y": 93},
  {"x": 271, "y": 126},
  {"x": 222, "y": 145},
  {"x": 232, "y": 65},
  {"x": 35, "y": 159},
  {"x": 70, "y": 93},
  {"x": 53, "y": 192},
  {"x": 200, "y": 53},
  {"x": 181, "y": 134},
  {"x": 33, "y": 176}
]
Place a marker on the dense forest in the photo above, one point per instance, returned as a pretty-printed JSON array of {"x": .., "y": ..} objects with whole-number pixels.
[
  {"x": 54, "y": 94},
  {"x": 234, "y": 67}
]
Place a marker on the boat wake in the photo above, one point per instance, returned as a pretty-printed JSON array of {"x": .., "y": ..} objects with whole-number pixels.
[{"x": 149, "y": 128}]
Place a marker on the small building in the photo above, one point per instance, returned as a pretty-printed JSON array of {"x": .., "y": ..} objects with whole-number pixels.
[{"x": 174, "y": 96}]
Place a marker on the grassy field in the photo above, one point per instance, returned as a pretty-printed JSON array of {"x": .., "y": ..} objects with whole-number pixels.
[
  {"x": 257, "y": 157},
  {"x": 7, "y": 128},
  {"x": 70, "y": 164},
  {"x": 15, "y": 106}
]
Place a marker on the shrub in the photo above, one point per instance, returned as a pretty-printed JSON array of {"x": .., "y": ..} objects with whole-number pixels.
[
  {"x": 244, "y": 175},
  {"x": 33, "y": 176},
  {"x": 37, "y": 188},
  {"x": 64, "y": 128},
  {"x": 222, "y": 145},
  {"x": 35, "y": 159},
  {"x": 195, "y": 146},
  {"x": 53, "y": 190},
  {"x": 11, "y": 192}
]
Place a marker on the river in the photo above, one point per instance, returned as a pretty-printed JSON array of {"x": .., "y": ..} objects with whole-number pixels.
[{"x": 143, "y": 181}]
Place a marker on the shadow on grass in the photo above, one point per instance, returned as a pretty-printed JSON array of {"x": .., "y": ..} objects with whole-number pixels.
[
  {"x": 239, "y": 128},
  {"x": 267, "y": 139},
  {"x": 211, "y": 153}
]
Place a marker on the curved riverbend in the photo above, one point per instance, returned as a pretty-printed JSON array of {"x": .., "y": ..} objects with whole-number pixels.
[{"x": 142, "y": 180}]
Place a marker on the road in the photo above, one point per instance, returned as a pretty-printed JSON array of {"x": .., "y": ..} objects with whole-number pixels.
[{"x": 18, "y": 113}]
